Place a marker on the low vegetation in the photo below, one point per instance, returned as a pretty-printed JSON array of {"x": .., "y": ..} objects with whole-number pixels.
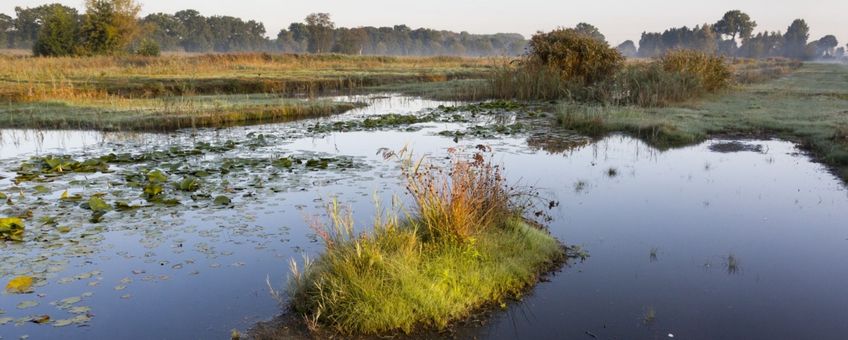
[
  {"x": 166, "y": 93},
  {"x": 808, "y": 107},
  {"x": 463, "y": 247}
]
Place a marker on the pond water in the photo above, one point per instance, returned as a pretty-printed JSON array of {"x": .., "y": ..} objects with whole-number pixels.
[{"x": 696, "y": 242}]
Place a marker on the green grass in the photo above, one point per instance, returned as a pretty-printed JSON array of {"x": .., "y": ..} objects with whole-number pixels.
[
  {"x": 164, "y": 114},
  {"x": 395, "y": 281},
  {"x": 465, "y": 247},
  {"x": 809, "y": 107}
]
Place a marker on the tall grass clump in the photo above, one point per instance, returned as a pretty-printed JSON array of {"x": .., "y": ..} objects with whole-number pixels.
[
  {"x": 677, "y": 76},
  {"x": 464, "y": 246},
  {"x": 559, "y": 64}
]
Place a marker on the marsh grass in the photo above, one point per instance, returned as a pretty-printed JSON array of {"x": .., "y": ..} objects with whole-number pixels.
[
  {"x": 807, "y": 107},
  {"x": 464, "y": 246},
  {"x": 165, "y": 114},
  {"x": 74, "y": 78}
]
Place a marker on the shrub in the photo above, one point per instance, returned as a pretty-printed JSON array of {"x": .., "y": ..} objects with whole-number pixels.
[
  {"x": 577, "y": 57},
  {"x": 148, "y": 48},
  {"x": 560, "y": 64}
]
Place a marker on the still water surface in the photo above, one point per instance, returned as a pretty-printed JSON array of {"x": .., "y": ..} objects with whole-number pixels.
[{"x": 690, "y": 242}]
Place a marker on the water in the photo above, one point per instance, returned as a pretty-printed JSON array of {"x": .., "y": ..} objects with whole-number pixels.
[{"x": 713, "y": 245}]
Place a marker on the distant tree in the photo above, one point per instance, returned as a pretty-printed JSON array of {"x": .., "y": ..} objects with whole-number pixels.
[
  {"x": 590, "y": 31},
  {"x": 57, "y": 36},
  {"x": 320, "y": 32},
  {"x": 762, "y": 45},
  {"x": 651, "y": 45},
  {"x": 795, "y": 39},
  {"x": 165, "y": 29},
  {"x": 727, "y": 47},
  {"x": 6, "y": 26},
  {"x": 109, "y": 26},
  {"x": 351, "y": 41},
  {"x": 840, "y": 52},
  {"x": 28, "y": 23},
  {"x": 735, "y": 23},
  {"x": 827, "y": 45},
  {"x": 197, "y": 36},
  {"x": 704, "y": 39},
  {"x": 627, "y": 48}
]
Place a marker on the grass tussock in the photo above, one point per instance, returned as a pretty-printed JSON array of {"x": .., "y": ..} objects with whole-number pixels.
[{"x": 463, "y": 247}]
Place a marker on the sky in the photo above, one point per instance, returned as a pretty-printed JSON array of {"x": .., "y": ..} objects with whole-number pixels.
[{"x": 619, "y": 20}]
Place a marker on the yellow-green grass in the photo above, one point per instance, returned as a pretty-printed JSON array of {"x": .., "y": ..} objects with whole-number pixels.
[
  {"x": 394, "y": 280},
  {"x": 809, "y": 106},
  {"x": 464, "y": 247},
  {"x": 164, "y": 114}
]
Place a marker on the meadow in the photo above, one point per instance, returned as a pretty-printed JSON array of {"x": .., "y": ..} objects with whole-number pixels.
[{"x": 167, "y": 93}]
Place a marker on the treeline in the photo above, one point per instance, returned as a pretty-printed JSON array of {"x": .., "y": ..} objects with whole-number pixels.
[
  {"x": 114, "y": 27},
  {"x": 55, "y": 29},
  {"x": 733, "y": 35}
]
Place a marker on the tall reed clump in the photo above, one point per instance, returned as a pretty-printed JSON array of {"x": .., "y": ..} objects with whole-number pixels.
[
  {"x": 464, "y": 246},
  {"x": 559, "y": 64}
]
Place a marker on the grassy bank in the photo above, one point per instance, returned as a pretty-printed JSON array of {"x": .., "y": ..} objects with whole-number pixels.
[
  {"x": 32, "y": 79},
  {"x": 465, "y": 246},
  {"x": 172, "y": 92},
  {"x": 810, "y": 107},
  {"x": 164, "y": 114}
]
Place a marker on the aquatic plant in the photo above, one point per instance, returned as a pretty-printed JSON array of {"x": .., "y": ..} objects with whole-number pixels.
[{"x": 12, "y": 229}]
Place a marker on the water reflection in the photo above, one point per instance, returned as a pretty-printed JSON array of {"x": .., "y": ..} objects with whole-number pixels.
[{"x": 747, "y": 247}]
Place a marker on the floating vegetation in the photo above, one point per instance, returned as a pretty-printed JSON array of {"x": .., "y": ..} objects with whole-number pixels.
[
  {"x": 736, "y": 146},
  {"x": 732, "y": 264},
  {"x": 649, "y": 316},
  {"x": 12, "y": 229},
  {"x": 20, "y": 285}
]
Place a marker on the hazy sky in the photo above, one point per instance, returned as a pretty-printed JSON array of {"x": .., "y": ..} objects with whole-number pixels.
[{"x": 618, "y": 20}]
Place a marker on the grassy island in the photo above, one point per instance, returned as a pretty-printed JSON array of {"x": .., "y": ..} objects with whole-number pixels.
[{"x": 464, "y": 247}]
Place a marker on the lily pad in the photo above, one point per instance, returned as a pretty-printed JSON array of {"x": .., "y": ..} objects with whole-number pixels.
[
  {"x": 222, "y": 200},
  {"x": 27, "y": 304},
  {"x": 12, "y": 229},
  {"x": 20, "y": 285},
  {"x": 97, "y": 204}
]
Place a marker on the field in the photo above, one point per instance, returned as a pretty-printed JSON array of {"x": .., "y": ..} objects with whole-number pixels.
[{"x": 166, "y": 93}]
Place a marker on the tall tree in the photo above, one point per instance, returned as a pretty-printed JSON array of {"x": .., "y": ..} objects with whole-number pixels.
[
  {"x": 590, "y": 31},
  {"x": 198, "y": 35},
  {"x": 320, "y": 28},
  {"x": 165, "y": 29},
  {"x": 827, "y": 45},
  {"x": 57, "y": 36},
  {"x": 109, "y": 26},
  {"x": 627, "y": 48},
  {"x": 736, "y": 23},
  {"x": 6, "y": 25},
  {"x": 28, "y": 22},
  {"x": 795, "y": 39}
]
